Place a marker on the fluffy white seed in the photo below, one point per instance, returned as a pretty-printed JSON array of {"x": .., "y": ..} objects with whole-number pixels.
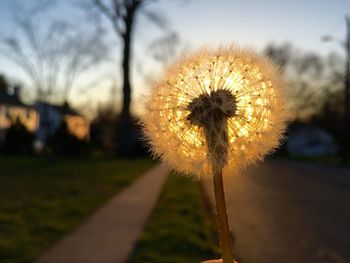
[{"x": 254, "y": 129}]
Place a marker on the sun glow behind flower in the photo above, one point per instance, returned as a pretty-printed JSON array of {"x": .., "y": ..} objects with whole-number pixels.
[{"x": 254, "y": 128}]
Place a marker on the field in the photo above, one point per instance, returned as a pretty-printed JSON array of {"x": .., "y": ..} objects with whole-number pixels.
[{"x": 42, "y": 199}]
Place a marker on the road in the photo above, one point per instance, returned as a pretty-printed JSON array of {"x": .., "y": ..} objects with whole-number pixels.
[{"x": 290, "y": 212}]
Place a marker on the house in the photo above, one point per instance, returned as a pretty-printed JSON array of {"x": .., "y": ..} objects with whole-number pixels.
[
  {"x": 12, "y": 109},
  {"x": 52, "y": 116},
  {"x": 307, "y": 140},
  {"x": 42, "y": 119}
]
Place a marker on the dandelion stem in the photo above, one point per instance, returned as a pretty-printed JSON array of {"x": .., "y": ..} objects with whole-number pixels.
[
  {"x": 211, "y": 112},
  {"x": 224, "y": 231}
]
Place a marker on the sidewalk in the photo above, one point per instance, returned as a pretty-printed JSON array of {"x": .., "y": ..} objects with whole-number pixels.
[{"x": 111, "y": 233}]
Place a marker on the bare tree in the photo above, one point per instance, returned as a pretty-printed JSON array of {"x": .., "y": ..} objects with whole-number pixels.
[
  {"x": 316, "y": 85},
  {"x": 3, "y": 84},
  {"x": 309, "y": 76},
  {"x": 164, "y": 49},
  {"x": 53, "y": 53},
  {"x": 122, "y": 15},
  {"x": 281, "y": 55}
]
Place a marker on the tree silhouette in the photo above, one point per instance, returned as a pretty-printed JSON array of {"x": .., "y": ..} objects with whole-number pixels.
[
  {"x": 3, "y": 83},
  {"x": 52, "y": 52},
  {"x": 122, "y": 15}
]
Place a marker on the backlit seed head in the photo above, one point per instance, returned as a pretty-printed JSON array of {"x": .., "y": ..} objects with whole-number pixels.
[{"x": 202, "y": 89}]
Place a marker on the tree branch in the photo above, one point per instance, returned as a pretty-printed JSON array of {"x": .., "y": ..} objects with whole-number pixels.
[{"x": 113, "y": 16}]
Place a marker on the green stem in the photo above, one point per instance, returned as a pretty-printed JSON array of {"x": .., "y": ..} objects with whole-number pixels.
[{"x": 224, "y": 230}]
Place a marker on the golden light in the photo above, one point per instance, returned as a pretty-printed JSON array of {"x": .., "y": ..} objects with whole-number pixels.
[
  {"x": 253, "y": 130},
  {"x": 214, "y": 112}
]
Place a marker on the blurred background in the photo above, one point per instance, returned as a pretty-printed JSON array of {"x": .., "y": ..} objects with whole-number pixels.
[{"x": 73, "y": 74}]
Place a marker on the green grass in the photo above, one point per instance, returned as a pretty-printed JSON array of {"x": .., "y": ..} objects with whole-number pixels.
[
  {"x": 41, "y": 200},
  {"x": 180, "y": 230}
]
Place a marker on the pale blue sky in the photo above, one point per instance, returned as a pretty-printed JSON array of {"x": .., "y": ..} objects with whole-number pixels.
[
  {"x": 259, "y": 22},
  {"x": 247, "y": 22}
]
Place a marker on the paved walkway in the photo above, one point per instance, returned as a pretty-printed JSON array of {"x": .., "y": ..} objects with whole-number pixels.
[{"x": 111, "y": 233}]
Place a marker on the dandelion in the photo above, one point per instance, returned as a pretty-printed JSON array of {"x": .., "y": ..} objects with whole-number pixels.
[
  {"x": 215, "y": 112},
  {"x": 232, "y": 81}
]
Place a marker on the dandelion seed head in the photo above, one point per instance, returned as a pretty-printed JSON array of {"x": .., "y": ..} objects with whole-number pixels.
[{"x": 228, "y": 81}]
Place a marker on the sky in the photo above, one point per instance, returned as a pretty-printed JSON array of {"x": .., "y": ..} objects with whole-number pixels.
[
  {"x": 257, "y": 23},
  {"x": 200, "y": 22}
]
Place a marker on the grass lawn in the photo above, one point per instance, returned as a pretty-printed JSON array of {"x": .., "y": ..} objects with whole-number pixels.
[
  {"x": 40, "y": 201},
  {"x": 180, "y": 230}
]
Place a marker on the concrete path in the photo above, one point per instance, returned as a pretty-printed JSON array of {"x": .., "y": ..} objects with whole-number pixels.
[
  {"x": 288, "y": 212},
  {"x": 111, "y": 233}
]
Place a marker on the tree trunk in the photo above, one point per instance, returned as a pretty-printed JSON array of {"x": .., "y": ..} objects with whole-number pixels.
[
  {"x": 125, "y": 136},
  {"x": 127, "y": 39},
  {"x": 126, "y": 68}
]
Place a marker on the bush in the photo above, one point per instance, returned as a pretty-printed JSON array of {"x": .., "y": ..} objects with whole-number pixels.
[
  {"x": 112, "y": 133},
  {"x": 18, "y": 139},
  {"x": 67, "y": 144}
]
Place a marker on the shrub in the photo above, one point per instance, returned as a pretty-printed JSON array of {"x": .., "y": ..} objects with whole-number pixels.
[
  {"x": 18, "y": 139},
  {"x": 67, "y": 144}
]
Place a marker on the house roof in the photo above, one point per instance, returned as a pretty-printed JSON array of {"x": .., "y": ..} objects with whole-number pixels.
[
  {"x": 13, "y": 100},
  {"x": 64, "y": 109}
]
